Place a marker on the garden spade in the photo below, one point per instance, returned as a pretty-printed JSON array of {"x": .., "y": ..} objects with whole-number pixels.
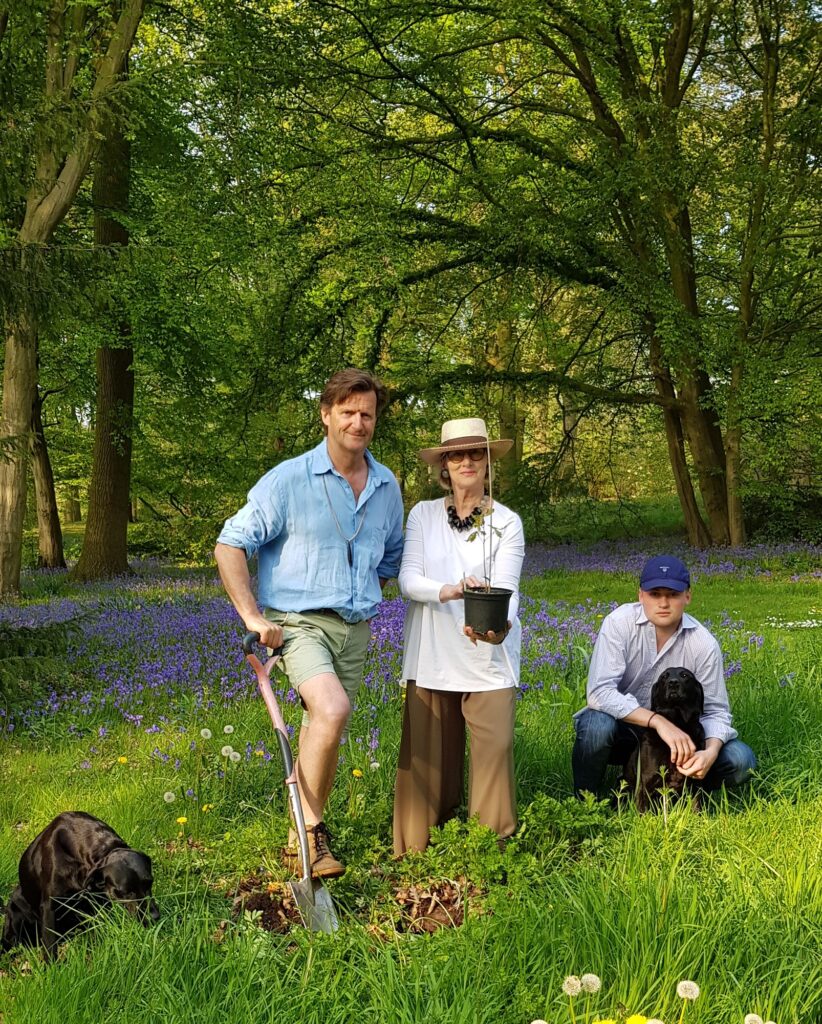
[{"x": 312, "y": 898}]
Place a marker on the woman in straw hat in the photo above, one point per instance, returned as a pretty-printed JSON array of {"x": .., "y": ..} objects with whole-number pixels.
[{"x": 457, "y": 679}]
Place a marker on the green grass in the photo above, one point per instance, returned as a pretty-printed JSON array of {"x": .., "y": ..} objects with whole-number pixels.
[{"x": 730, "y": 897}]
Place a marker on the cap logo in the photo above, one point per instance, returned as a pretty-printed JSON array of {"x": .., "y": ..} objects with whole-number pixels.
[{"x": 664, "y": 568}]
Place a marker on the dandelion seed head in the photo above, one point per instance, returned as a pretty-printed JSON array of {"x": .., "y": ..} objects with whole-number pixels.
[
  {"x": 572, "y": 986},
  {"x": 205, "y": 733},
  {"x": 753, "y": 1018},
  {"x": 169, "y": 797},
  {"x": 234, "y": 756},
  {"x": 590, "y": 983},
  {"x": 374, "y": 765},
  {"x": 687, "y": 990},
  {"x": 227, "y": 750},
  {"x": 228, "y": 729}
]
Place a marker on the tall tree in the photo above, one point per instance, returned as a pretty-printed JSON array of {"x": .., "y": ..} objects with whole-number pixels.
[
  {"x": 105, "y": 540},
  {"x": 589, "y": 144},
  {"x": 78, "y": 84}
]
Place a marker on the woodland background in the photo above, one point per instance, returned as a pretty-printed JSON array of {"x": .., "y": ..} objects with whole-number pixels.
[{"x": 596, "y": 223}]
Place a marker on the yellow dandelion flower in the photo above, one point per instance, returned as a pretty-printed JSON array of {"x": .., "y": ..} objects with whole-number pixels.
[
  {"x": 636, "y": 1018},
  {"x": 207, "y": 807},
  {"x": 357, "y": 773},
  {"x": 182, "y": 820},
  {"x": 122, "y": 760},
  {"x": 605, "y": 1020}
]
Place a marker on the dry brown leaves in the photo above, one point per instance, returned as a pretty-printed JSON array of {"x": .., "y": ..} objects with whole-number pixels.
[{"x": 427, "y": 908}]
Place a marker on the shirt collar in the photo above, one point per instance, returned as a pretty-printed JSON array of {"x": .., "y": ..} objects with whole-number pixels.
[{"x": 321, "y": 463}]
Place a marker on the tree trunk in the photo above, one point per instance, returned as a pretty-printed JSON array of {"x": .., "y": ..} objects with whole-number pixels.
[
  {"x": 49, "y": 534},
  {"x": 74, "y": 511},
  {"x": 698, "y": 416},
  {"x": 503, "y": 354},
  {"x": 105, "y": 542},
  {"x": 19, "y": 382},
  {"x": 698, "y": 534}
]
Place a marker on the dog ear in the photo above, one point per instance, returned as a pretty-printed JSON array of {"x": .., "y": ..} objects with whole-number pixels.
[
  {"x": 96, "y": 881},
  {"x": 700, "y": 697},
  {"x": 655, "y": 691}
]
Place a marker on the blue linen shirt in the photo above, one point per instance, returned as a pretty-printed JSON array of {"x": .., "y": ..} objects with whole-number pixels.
[
  {"x": 303, "y": 558},
  {"x": 625, "y": 664}
]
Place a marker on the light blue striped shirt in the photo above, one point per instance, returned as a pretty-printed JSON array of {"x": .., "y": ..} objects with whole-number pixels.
[
  {"x": 303, "y": 557},
  {"x": 625, "y": 665}
]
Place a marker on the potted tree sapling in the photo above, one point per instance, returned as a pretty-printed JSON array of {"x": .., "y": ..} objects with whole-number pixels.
[{"x": 486, "y": 607}]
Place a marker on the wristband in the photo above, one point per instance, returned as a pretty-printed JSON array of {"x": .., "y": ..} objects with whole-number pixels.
[{"x": 653, "y": 716}]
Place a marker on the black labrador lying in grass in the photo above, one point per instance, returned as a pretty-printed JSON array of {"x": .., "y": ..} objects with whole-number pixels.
[
  {"x": 74, "y": 867},
  {"x": 678, "y": 696}
]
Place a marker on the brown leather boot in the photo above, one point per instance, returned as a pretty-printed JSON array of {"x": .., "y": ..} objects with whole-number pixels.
[{"x": 323, "y": 862}]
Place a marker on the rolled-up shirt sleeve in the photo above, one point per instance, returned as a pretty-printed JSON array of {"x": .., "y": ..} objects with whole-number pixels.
[
  {"x": 716, "y": 717},
  {"x": 389, "y": 567},
  {"x": 606, "y": 672},
  {"x": 258, "y": 521},
  {"x": 414, "y": 584}
]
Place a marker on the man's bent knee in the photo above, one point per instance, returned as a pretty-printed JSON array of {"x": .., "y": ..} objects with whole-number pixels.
[
  {"x": 596, "y": 727},
  {"x": 740, "y": 762},
  {"x": 327, "y": 703}
]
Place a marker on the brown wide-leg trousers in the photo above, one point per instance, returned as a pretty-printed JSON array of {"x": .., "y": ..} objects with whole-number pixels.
[{"x": 432, "y": 762}]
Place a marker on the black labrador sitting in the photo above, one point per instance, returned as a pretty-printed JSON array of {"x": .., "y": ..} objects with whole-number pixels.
[
  {"x": 74, "y": 867},
  {"x": 678, "y": 696}
]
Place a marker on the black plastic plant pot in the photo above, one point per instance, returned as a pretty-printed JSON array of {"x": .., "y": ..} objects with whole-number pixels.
[{"x": 486, "y": 610}]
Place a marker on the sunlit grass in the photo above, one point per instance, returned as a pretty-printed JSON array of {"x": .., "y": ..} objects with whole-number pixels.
[{"x": 730, "y": 897}]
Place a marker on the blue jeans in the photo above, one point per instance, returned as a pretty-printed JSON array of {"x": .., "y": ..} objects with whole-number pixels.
[{"x": 602, "y": 740}]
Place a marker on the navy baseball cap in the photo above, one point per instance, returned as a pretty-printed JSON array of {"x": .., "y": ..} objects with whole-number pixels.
[{"x": 665, "y": 571}]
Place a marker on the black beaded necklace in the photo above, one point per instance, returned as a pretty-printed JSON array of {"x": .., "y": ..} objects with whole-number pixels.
[{"x": 460, "y": 525}]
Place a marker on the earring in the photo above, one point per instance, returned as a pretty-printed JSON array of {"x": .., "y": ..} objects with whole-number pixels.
[{"x": 444, "y": 474}]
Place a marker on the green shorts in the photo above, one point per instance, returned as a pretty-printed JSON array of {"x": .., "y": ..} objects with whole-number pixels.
[{"x": 314, "y": 643}]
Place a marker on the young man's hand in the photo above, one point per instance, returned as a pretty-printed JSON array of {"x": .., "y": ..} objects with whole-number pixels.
[
  {"x": 698, "y": 766},
  {"x": 681, "y": 745}
]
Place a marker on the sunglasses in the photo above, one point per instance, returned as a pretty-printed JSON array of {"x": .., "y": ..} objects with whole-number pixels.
[{"x": 474, "y": 454}]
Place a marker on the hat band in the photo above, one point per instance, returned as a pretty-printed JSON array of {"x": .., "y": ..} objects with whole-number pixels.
[{"x": 464, "y": 441}]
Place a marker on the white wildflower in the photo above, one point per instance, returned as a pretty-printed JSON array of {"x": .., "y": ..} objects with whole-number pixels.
[
  {"x": 169, "y": 797},
  {"x": 374, "y": 765},
  {"x": 205, "y": 733},
  {"x": 687, "y": 990},
  {"x": 572, "y": 986},
  {"x": 228, "y": 729},
  {"x": 226, "y": 751},
  {"x": 234, "y": 756}
]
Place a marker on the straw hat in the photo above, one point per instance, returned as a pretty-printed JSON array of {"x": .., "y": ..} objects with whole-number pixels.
[{"x": 461, "y": 436}]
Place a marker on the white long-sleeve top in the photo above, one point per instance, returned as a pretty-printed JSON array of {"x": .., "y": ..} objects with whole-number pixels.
[{"x": 436, "y": 652}]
